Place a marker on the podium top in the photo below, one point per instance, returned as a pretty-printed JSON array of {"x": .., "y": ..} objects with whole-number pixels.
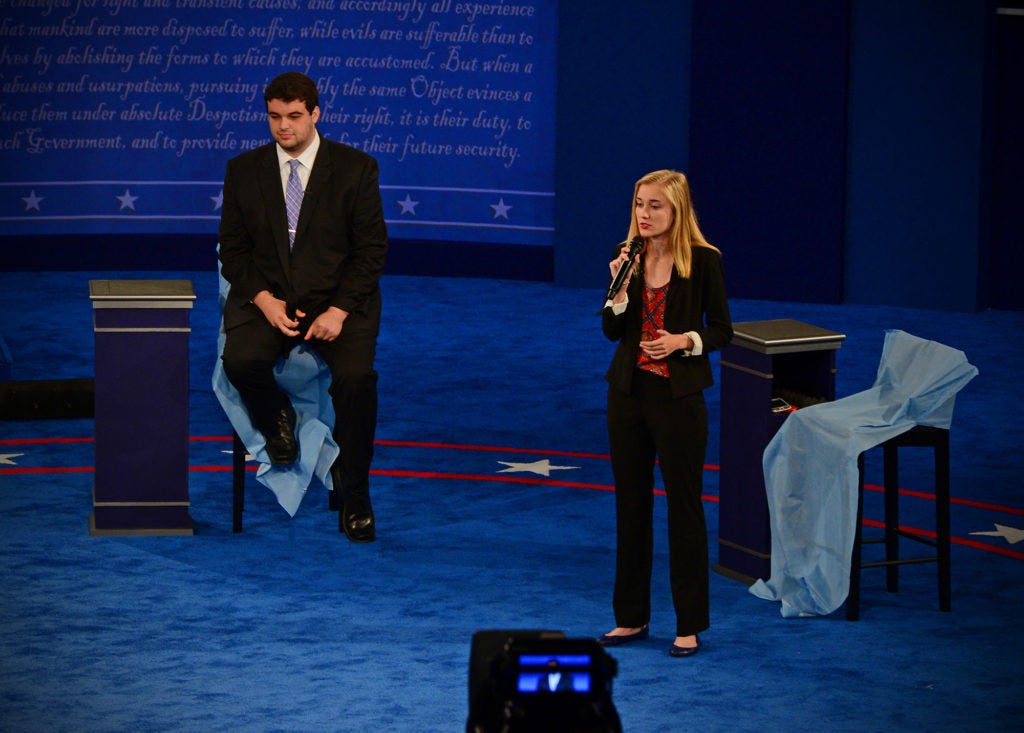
[
  {"x": 784, "y": 335},
  {"x": 141, "y": 293}
]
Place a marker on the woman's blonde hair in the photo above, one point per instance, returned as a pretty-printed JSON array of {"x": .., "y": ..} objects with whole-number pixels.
[{"x": 684, "y": 234}]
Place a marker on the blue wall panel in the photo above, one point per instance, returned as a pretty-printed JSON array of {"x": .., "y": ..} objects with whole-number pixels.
[
  {"x": 915, "y": 153},
  {"x": 768, "y": 115},
  {"x": 1006, "y": 260},
  {"x": 623, "y": 100}
]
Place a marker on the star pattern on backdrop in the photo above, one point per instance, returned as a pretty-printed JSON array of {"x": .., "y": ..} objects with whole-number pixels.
[
  {"x": 501, "y": 209},
  {"x": 6, "y": 459},
  {"x": 1010, "y": 534},
  {"x": 32, "y": 201},
  {"x": 408, "y": 206},
  {"x": 541, "y": 468},
  {"x": 456, "y": 208},
  {"x": 127, "y": 200}
]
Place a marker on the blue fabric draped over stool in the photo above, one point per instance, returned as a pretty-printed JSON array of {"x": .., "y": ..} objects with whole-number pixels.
[
  {"x": 810, "y": 468},
  {"x": 306, "y": 380}
]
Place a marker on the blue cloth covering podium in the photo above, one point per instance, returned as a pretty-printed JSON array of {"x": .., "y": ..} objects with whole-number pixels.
[{"x": 811, "y": 475}]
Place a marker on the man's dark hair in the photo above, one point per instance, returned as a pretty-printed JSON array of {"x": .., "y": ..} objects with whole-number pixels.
[{"x": 290, "y": 86}]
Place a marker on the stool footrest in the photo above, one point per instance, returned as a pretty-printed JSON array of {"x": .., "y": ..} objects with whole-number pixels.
[
  {"x": 901, "y": 533},
  {"x": 901, "y": 561},
  {"x": 918, "y": 538}
]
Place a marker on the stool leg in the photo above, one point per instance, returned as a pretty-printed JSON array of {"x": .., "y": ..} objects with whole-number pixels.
[
  {"x": 942, "y": 521},
  {"x": 853, "y": 596},
  {"x": 237, "y": 483},
  {"x": 891, "y": 480}
]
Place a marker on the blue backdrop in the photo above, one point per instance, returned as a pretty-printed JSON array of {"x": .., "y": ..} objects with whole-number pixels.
[
  {"x": 118, "y": 117},
  {"x": 846, "y": 152}
]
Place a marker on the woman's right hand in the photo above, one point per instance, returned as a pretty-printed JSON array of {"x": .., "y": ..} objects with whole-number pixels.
[{"x": 617, "y": 264}]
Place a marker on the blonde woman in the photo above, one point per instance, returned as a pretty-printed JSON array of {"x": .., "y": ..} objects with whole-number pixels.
[{"x": 669, "y": 313}]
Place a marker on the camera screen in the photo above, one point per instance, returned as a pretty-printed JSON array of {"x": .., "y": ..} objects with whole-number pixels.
[{"x": 554, "y": 673}]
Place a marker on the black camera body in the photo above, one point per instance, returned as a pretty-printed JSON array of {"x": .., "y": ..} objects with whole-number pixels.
[{"x": 540, "y": 681}]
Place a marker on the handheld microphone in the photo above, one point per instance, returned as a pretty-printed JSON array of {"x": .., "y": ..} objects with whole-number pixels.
[{"x": 635, "y": 245}]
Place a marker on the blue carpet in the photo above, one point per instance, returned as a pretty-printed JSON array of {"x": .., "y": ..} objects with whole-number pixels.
[{"x": 289, "y": 627}]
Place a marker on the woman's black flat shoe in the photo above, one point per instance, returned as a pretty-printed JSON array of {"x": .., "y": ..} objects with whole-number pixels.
[
  {"x": 616, "y": 640},
  {"x": 684, "y": 651}
]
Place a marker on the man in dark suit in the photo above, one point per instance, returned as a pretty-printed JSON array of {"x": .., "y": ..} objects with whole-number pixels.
[{"x": 310, "y": 275}]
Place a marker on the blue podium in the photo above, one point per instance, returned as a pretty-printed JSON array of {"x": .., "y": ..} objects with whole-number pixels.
[
  {"x": 141, "y": 407},
  {"x": 779, "y": 358}
]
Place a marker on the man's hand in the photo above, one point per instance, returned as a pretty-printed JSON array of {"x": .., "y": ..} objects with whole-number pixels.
[
  {"x": 327, "y": 325},
  {"x": 276, "y": 313}
]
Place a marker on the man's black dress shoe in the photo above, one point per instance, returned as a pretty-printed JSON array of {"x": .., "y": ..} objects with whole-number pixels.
[
  {"x": 282, "y": 447},
  {"x": 356, "y": 519},
  {"x": 616, "y": 640},
  {"x": 684, "y": 651}
]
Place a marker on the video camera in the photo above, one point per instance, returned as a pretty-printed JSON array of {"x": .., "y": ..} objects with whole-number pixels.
[{"x": 540, "y": 681}]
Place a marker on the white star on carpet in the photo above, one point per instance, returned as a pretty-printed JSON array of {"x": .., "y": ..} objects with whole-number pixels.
[
  {"x": 541, "y": 468},
  {"x": 408, "y": 206},
  {"x": 127, "y": 200},
  {"x": 501, "y": 209},
  {"x": 5, "y": 458},
  {"x": 32, "y": 201},
  {"x": 1010, "y": 534},
  {"x": 218, "y": 200}
]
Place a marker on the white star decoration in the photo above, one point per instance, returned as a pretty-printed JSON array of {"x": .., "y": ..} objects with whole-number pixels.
[
  {"x": 32, "y": 201},
  {"x": 541, "y": 468},
  {"x": 127, "y": 200},
  {"x": 5, "y": 458},
  {"x": 1010, "y": 534},
  {"x": 408, "y": 206},
  {"x": 218, "y": 200},
  {"x": 501, "y": 209},
  {"x": 248, "y": 456}
]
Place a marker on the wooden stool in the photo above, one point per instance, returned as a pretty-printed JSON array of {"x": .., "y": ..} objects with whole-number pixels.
[{"x": 924, "y": 437}]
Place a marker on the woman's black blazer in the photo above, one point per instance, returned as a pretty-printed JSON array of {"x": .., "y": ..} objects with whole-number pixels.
[{"x": 697, "y": 303}]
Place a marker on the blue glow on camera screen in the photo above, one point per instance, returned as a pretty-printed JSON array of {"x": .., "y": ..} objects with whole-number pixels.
[
  {"x": 562, "y": 660},
  {"x": 531, "y": 682},
  {"x": 554, "y": 673}
]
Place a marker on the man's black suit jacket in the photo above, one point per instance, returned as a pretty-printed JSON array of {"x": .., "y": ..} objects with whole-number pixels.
[{"x": 340, "y": 243}]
